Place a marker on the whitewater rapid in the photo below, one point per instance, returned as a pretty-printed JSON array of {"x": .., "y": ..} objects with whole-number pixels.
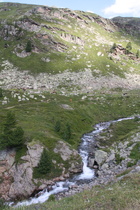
[{"x": 87, "y": 174}]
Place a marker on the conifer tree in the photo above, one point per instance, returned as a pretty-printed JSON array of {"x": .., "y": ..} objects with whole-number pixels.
[
  {"x": 10, "y": 121},
  {"x": 17, "y": 137},
  {"x": 28, "y": 46},
  {"x": 12, "y": 136},
  {"x": 45, "y": 164},
  {"x": 113, "y": 48},
  {"x": 128, "y": 47}
]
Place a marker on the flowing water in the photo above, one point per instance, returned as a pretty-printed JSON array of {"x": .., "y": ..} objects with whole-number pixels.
[{"x": 87, "y": 174}]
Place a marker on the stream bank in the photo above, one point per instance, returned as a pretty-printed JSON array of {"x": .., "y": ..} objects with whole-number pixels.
[{"x": 93, "y": 159}]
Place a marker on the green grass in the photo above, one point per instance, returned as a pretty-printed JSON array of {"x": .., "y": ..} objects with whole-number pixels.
[
  {"x": 118, "y": 158},
  {"x": 124, "y": 172},
  {"x": 19, "y": 153},
  {"x": 120, "y": 131},
  {"x": 57, "y": 63},
  {"x": 38, "y": 119},
  {"x": 42, "y": 116},
  {"x": 135, "y": 153},
  {"x": 124, "y": 194}
]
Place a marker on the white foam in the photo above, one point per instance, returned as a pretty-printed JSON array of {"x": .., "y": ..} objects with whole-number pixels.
[{"x": 87, "y": 173}]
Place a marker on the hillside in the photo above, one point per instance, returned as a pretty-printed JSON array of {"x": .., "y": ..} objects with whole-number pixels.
[
  {"x": 68, "y": 50},
  {"x": 131, "y": 25},
  {"x": 62, "y": 72}
]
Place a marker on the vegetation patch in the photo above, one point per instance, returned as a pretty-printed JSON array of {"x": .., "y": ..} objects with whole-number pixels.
[
  {"x": 19, "y": 153},
  {"x": 135, "y": 153},
  {"x": 123, "y": 173},
  {"x": 120, "y": 131},
  {"x": 118, "y": 158},
  {"x": 123, "y": 194}
]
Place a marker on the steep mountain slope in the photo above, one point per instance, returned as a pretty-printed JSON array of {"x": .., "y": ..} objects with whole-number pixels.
[
  {"x": 130, "y": 24},
  {"x": 72, "y": 45},
  {"x": 61, "y": 73}
]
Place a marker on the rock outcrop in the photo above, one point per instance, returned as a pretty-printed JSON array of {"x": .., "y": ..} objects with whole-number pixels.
[
  {"x": 16, "y": 179},
  {"x": 116, "y": 160}
]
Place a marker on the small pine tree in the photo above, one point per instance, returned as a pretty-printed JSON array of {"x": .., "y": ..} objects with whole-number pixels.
[
  {"x": 12, "y": 136},
  {"x": 10, "y": 121},
  {"x": 113, "y": 48},
  {"x": 17, "y": 138},
  {"x": 57, "y": 126},
  {"x": 45, "y": 164},
  {"x": 128, "y": 47},
  {"x": 28, "y": 46},
  {"x": 137, "y": 54}
]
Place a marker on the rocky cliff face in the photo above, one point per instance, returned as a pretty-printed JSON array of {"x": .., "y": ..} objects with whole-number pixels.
[{"x": 16, "y": 179}]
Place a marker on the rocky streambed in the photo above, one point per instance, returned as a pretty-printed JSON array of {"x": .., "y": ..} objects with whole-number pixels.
[{"x": 99, "y": 166}]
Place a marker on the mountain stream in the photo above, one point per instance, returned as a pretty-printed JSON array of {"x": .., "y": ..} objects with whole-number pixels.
[{"x": 88, "y": 174}]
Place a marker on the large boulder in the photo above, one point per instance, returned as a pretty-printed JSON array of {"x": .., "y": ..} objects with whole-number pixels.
[
  {"x": 70, "y": 155},
  {"x": 100, "y": 156}
]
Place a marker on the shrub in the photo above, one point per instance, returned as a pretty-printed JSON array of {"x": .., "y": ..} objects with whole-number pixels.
[
  {"x": 135, "y": 153},
  {"x": 130, "y": 164},
  {"x": 118, "y": 158},
  {"x": 137, "y": 54},
  {"x": 136, "y": 119},
  {"x": 51, "y": 198},
  {"x": 3, "y": 205},
  {"x": 112, "y": 49}
]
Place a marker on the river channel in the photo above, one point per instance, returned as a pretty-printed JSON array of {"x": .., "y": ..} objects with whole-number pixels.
[{"x": 88, "y": 174}]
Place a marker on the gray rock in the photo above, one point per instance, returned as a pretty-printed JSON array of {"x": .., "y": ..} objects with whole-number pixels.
[
  {"x": 63, "y": 149},
  {"x": 91, "y": 162},
  {"x": 100, "y": 156},
  {"x": 35, "y": 152},
  {"x": 3, "y": 154},
  {"x": 66, "y": 106},
  {"x": 111, "y": 158},
  {"x": 105, "y": 166},
  {"x": 137, "y": 169},
  {"x": 70, "y": 155}
]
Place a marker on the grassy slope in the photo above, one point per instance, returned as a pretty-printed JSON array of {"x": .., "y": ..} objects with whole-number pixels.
[
  {"x": 124, "y": 194},
  {"x": 96, "y": 108},
  {"x": 38, "y": 118},
  {"x": 58, "y": 62}
]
